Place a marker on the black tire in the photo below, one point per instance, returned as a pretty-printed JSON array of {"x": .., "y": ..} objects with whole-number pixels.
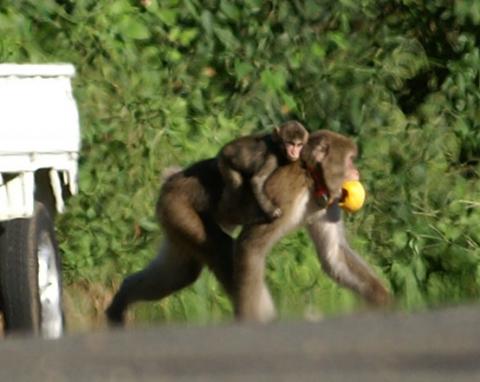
[{"x": 30, "y": 276}]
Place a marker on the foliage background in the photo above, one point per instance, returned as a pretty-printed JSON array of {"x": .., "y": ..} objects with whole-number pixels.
[{"x": 168, "y": 82}]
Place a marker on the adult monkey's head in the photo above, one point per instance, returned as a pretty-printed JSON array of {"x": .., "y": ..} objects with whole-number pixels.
[{"x": 330, "y": 159}]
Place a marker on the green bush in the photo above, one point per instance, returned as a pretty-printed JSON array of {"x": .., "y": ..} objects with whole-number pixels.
[{"x": 169, "y": 82}]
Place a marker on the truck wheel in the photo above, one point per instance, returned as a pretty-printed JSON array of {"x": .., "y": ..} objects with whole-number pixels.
[{"x": 30, "y": 276}]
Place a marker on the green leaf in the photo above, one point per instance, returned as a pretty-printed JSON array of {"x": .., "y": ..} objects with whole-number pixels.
[
  {"x": 419, "y": 268},
  {"x": 254, "y": 5},
  {"x": 133, "y": 28},
  {"x": 318, "y": 50},
  {"x": 227, "y": 38},
  {"x": 167, "y": 16},
  {"x": 400, "y": 239},
  {"x": 230, "y": 9},
  {"x": 148, "y": 224},
  {"x": 207, "y": 22},
  {"x": 289, "y": 101},
  {"x": 242, "y": 69},
  {"x": 274, "y": 80},
  {"x": 188, "y": 35},
  {"x": 339, "y": 39},
  {"x": 119, "y": 7}
]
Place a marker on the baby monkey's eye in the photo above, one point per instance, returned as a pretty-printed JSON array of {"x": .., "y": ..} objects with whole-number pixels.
[{"x": 296, "y": 144}]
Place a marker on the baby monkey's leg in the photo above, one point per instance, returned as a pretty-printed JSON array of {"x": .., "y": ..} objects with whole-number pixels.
[
  {"x": 233, "y": 179},
  {"x": 258, "y": 181}
]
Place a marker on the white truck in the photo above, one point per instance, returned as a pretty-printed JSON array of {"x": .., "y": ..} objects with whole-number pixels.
[{"x": 39, "y": 146}]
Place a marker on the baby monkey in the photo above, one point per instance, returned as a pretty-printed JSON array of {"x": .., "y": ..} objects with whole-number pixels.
[{"x": 255, "y": 157}]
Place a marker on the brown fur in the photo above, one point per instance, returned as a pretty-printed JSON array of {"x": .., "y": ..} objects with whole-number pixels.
[{"x": 191, "y": 216}]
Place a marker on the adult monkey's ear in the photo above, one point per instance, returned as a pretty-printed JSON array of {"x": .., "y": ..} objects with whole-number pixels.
[
  {"x": 322, "y": 150},
  {"x": 316, "y": 150},
  {"x": 338, "y": 163}
]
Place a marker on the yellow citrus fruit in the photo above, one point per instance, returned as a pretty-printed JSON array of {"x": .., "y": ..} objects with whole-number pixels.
[{"x": 353, "y": 195}]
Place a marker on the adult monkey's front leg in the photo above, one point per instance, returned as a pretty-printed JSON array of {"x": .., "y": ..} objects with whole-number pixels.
[{"x": 340, "y": 262}]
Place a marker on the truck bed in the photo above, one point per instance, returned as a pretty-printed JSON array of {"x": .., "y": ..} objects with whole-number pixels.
[{"x": 39, "y": 130}]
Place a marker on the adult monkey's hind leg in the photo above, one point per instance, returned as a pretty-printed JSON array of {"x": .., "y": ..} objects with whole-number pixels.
[
  {"x": 252, "y": 299},
  {"x": 191, "y": 241},
  {"x": 217, "y": 253},
  {"x": 173, "y": 269}
]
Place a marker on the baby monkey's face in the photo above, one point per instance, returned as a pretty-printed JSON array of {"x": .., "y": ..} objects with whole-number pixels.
[
  {"x": 292, "y": 136},
  {"x": 293, "y": 149}
]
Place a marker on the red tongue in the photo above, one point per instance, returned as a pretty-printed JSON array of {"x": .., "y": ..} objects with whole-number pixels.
[{"x": 321, "y": 192}]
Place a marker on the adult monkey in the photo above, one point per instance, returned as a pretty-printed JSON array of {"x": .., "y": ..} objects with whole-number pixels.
[{"x": 191, "y": 217}]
